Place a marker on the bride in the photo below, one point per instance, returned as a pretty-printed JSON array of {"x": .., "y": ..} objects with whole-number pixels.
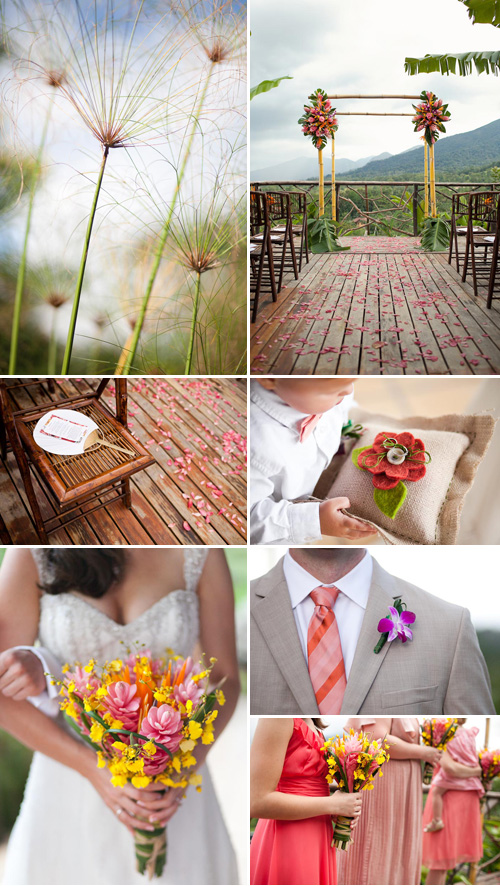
[{"x": 94, "y": 603}]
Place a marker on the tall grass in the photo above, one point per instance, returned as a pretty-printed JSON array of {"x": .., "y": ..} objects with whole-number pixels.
[{"x": 151, "y": 78}]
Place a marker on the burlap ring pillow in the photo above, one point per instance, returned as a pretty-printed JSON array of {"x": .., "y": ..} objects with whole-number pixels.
[{"x": 430, "y": 514}]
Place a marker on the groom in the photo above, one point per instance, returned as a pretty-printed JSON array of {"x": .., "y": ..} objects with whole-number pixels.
[{"x": 314, "y": 627}]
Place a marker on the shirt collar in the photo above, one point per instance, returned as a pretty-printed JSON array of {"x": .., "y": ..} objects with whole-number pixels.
[
  {"x": 355, "y": 584},
  {"x": 274, "y": 406}
]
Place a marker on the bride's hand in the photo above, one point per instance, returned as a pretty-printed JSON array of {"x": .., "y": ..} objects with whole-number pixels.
[
  {"x": 123, "y": 802},
  {"x": 160, "y": 807},
  {"x": 346, "y": 804},
  {"x": 21, "y": 674}
]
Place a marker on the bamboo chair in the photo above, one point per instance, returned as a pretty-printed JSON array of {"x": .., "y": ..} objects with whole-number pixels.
[
  {"x": 493, "y": 286},
  {"x": 482, "y": 212},
  {"x": 298, "y": 207},
  {"x": 459, "y": 211},
  {"x": 261, "y": 251},
  {"x": 75, "y": 484},
  {"x": 279, "y": 205}
]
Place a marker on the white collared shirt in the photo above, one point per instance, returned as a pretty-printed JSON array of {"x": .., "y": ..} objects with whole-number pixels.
[
  {"x": 283, "y": 469},
  {"x": 349, "y": 607}
]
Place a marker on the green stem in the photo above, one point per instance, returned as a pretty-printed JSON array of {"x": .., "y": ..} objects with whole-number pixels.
[
  {"x": 18, "y": 300},
  {"x": 189, "y": 358},
  {"x": 81, "y": 272},
  {"x": 51, "y": 361},
  {"x": 164, "y": 234}
]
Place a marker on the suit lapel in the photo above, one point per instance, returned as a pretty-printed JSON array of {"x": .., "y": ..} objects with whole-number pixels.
[
  {"x": 366, "y": 663},
  {"x": 273, "y": 614}
]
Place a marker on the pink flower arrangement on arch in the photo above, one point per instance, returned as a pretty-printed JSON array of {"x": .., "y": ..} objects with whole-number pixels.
[
  {"x": 318, "y": 120},
  {"x": 430, "y": 115}
]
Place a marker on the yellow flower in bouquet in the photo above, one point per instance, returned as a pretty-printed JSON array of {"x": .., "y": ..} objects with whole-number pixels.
[
  {"x": 353, "y": 761},
  {"x": 436, "y": 733},
  {"x": 144, "y": 717}
]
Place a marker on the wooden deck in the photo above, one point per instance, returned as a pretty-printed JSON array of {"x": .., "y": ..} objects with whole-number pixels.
[
  {"x": 195, "y": 494},
  {"x": 372, "y": 312}
]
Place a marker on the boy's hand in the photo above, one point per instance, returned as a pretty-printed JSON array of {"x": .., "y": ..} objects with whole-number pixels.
[
  {"x": 333, "y": 522},
  {"x": 21, "y": 674}
]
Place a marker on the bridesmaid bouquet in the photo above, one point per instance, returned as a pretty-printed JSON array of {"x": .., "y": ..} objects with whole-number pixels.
[
  {"x": 353, "y": 762},
  {"x": 143, "y": 717},
  {"x": 489, "y": 762},
  {"x": 436, "y": 733}
]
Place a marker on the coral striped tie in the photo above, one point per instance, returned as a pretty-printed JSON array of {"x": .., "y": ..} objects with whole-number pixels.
[{"x": 324, "y": 652}]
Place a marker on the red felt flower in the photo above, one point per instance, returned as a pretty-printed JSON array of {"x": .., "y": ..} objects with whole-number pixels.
[{"x": 385, "y": 474}]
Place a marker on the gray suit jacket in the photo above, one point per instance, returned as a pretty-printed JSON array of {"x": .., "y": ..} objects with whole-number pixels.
[{"x": 441, "y": 671}]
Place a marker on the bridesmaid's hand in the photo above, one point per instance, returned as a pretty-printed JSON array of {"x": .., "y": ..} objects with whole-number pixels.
[
  {"x": 431, "y": 755},
  {"x": 346, "y": 804}
]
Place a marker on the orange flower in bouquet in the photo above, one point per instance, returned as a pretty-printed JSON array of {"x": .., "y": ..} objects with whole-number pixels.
[
  {"x": 144, "y": 718},
  {"x": 353, "y": 762}
]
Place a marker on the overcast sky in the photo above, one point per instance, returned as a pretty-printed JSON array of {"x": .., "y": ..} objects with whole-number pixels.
[{"x": 359, "y": 47}]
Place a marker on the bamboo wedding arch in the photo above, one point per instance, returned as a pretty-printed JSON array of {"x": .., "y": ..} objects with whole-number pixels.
[{"x": 429, "y": 161}]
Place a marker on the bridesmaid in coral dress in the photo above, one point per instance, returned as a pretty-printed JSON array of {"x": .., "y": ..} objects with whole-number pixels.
[
  {"x": 388, "y": 844},
  {"x": 290, "y": 796},
  {"x": 460, "y": 840}
]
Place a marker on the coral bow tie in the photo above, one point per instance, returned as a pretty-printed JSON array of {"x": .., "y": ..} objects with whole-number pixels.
[{"x": 307, "y": 426}]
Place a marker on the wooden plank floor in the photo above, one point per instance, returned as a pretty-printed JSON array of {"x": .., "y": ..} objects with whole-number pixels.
[
  {"x": 195, "y": 493},
  {"x": 398, "y": 312}
]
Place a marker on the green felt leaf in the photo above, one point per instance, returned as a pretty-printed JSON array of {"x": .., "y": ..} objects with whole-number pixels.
[
  {"x": 355, "y": 453},
  {"x": 389, "y": 501}
]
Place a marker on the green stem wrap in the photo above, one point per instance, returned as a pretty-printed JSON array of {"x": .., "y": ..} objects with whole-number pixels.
[
  {"x": 151, "y": 851},
  {"x": 342, "y": 832}
]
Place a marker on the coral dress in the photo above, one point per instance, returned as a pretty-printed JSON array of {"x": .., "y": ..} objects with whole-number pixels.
[
  {"x": 388, "y": 839},
  {"x": 297, "y": 852},
  {"x": 461, "y": 839}
]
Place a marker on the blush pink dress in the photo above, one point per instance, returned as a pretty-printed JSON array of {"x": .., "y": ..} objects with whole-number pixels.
[
  {"x": 297, "y": 852},
  {"x": 461, "y": 840},
  {"x": 388, "y": 839}
]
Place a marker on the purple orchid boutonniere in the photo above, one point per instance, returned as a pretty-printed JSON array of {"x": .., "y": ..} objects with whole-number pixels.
[{"x": 395, "y": 624}]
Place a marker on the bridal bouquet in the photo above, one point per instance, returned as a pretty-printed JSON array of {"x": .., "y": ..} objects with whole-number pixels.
[
  {"x": 436, "y": 733},
  {"x": 143, "y": 717},
  {"x": 489, "y": 762},
  {"x": 353, "y": 762}
]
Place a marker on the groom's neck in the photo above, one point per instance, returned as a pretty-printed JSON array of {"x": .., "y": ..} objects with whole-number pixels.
[{"x": 327, "y": 564}]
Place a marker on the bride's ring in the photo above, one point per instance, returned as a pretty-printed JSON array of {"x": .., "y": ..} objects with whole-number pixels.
[{"x": 119, "y": 811}]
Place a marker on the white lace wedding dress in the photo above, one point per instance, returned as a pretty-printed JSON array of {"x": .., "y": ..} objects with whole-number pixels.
[{"x": 64, "y": 833}]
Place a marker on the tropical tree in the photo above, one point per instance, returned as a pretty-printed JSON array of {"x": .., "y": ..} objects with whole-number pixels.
[{"x": 463, "y": 63}]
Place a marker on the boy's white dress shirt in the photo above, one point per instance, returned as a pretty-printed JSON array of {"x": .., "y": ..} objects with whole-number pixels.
[
  {"x": 283, "y": 469},
  {"x": 349, "y": 607}
]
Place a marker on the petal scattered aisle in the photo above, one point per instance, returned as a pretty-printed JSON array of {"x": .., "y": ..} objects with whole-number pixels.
[{"x": 372, "y": 312}]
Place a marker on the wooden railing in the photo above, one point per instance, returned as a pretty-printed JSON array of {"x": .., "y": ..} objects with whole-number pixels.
[{"x": 386, "y": 208}]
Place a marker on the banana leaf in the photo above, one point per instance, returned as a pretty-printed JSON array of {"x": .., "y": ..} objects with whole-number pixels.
[
  {"x": 323, "y": 236},
  {"x": 461, "y": 63},
  {"x": 266, "y": 86},
  {"x": 435, "y": 236},
  {"x": 484, "y": 12}
]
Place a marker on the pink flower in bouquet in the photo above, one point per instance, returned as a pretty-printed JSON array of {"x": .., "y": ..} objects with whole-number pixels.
[
  {"x": 353, "y": 744},
  {"x": 188, "y": 691},
  {"x": 163, "y": 724},
  {"x": 123, "y": 703},
  {"x": 85, "y": 683}
]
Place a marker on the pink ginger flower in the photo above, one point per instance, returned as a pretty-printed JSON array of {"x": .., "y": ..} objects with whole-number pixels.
[
  {"x": 123, "y": 704},
  {"x": 188, "y": 691},
  {"x": 163, "y": 724}
]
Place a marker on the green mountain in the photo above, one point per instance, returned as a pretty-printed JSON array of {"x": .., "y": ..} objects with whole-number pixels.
[{"x": 463, "y": 157}]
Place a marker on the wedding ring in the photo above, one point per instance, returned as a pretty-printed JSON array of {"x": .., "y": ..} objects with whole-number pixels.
[{"x": 119, "y": 811}]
